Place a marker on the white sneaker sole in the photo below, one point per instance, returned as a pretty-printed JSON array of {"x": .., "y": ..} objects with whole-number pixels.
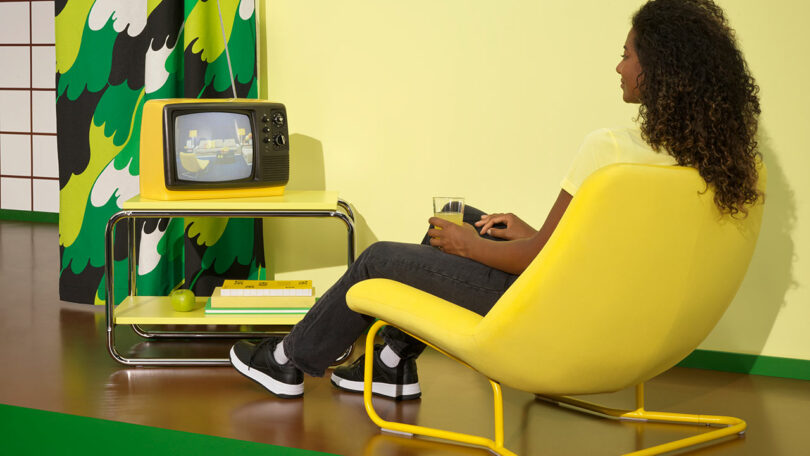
[
  {"x": 394, "y": 391},
  {"x": 276, "y": 387}
]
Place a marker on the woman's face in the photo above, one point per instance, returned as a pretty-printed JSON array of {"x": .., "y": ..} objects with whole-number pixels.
[{"x": 630, "y": 69}]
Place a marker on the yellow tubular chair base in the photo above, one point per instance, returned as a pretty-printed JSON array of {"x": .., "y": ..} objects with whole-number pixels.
[
  {"x": 495, "y": 445},
  {"x": 730, "y": 425}
]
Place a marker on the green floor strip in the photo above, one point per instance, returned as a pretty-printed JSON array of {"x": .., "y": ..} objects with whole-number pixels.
[
  {"x": 35, "y": 432},
  {"x": 29, "y": 216},
  {"x": 748, "y": 364}
]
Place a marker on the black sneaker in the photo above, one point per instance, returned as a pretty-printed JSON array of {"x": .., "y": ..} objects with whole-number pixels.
[
  {"x": 256, "y": 362},
  {"x": 400, "y": 383}
]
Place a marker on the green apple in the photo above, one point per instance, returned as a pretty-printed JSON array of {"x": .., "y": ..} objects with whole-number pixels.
[{"x": 182, "y": 300}]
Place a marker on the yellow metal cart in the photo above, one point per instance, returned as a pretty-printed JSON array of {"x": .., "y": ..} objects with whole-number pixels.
[{"x": 137, "y": 310}]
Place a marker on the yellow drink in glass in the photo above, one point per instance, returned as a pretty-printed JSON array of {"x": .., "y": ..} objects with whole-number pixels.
[{"x": 455, "y": 217}]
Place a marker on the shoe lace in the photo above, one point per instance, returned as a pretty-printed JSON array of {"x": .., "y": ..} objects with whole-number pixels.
[
  {"x": 260, "y": 347},
  {"x": 360, "y": 362}
]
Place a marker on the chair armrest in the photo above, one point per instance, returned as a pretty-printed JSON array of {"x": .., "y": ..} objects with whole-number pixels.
[{"x": 424, "y": 315}]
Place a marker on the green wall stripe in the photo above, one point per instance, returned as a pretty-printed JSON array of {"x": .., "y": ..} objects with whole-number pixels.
[
  {"x": 29, "y": 216},
  {"x": 35, "y": 432},
  {"x": 748, "y": 364}
]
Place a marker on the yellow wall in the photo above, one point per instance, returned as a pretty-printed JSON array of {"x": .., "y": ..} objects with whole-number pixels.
[{"x": 393, "y": 102}]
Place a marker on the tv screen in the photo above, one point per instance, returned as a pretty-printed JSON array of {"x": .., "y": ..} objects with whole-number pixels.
[{"x": 213, "y": 147}]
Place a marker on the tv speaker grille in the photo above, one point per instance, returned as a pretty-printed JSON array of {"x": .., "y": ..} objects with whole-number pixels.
[{"x": 277, "y": 168}]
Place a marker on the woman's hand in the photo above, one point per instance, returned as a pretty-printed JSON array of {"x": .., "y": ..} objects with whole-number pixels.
[
  {"x": 515, "y": 227},
  {"x": 452, "y": 238}
]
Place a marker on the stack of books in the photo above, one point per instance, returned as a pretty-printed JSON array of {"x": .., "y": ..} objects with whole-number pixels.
[{"x": 262, "y": 297}]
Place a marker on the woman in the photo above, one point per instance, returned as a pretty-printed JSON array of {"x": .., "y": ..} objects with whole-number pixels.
[{"x": 698, "y": 107}]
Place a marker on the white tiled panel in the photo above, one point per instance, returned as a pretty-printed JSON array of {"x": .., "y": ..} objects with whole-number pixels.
[
  {"x": 29, "y": 179},
  {"x": 46, "y": 195},
  {"x": 14, "y": 22},
  {"x": 15, "y": 114},
  {"x": 46, "y": 162},
  {"x": 15, "y": 155},
  {"x": 44, "y": 106},
  {"x": 15, "y": 194},
  {"x": 16, "y": 67},
  {"x": 44, "y": 66},
  {"x": 42, "y": 31}
]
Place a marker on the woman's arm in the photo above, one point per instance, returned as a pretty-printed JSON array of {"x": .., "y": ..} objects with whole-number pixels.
[{"x": 508, "y": 256}]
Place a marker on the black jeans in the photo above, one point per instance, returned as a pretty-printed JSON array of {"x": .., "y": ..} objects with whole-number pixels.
[{"x": 330, "y": 327}]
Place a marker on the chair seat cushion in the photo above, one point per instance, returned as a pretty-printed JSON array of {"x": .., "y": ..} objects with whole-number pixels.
[{"x": 444, "y": 324}]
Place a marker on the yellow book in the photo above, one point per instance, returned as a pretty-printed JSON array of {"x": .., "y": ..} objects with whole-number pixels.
[
  {"x": 221, "y": 301},
  {"x": 267, "y": 288}
]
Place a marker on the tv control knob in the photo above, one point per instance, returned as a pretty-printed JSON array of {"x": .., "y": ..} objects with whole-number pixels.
[
  {"x": 266, "y": 129},
  {"x": 280, "y": 140},
  {"x": 278, "y": 119},
  {"x": 265, "y": 119},
  {"x": 266, "y": 139}
]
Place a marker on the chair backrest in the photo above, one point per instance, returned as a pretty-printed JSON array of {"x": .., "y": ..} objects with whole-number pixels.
[{"x": 638, "y": 272}]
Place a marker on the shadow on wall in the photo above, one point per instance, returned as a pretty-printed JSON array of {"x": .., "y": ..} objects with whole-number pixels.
[
  {"x": 749, "y": 320},
  {"x": 298, "y": 244}
]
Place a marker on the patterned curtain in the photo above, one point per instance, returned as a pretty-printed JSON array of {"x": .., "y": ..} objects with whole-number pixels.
[{"x": 112, "y": 56}]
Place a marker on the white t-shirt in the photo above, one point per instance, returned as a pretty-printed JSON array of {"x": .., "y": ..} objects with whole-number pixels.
[{"x": 607, "y": 146}]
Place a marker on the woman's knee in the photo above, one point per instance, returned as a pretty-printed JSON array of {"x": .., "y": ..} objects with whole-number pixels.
[{"x": 472, "y": 215}]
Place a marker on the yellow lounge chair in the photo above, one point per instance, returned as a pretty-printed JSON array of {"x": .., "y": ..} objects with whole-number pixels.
[{"x": 637, "y": 273}]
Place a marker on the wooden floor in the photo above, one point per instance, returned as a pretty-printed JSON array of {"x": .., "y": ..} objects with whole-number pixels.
[{"x": 53, "y": 357}]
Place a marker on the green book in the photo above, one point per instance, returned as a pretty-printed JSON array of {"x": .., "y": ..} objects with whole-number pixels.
[{"x": 253, "y": 310}]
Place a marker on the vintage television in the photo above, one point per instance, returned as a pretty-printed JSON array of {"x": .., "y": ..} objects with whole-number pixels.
[{"x": 213, "y": 148}]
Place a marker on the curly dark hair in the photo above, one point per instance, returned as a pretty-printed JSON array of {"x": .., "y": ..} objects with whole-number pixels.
[{"x": 699, "y": 101}]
